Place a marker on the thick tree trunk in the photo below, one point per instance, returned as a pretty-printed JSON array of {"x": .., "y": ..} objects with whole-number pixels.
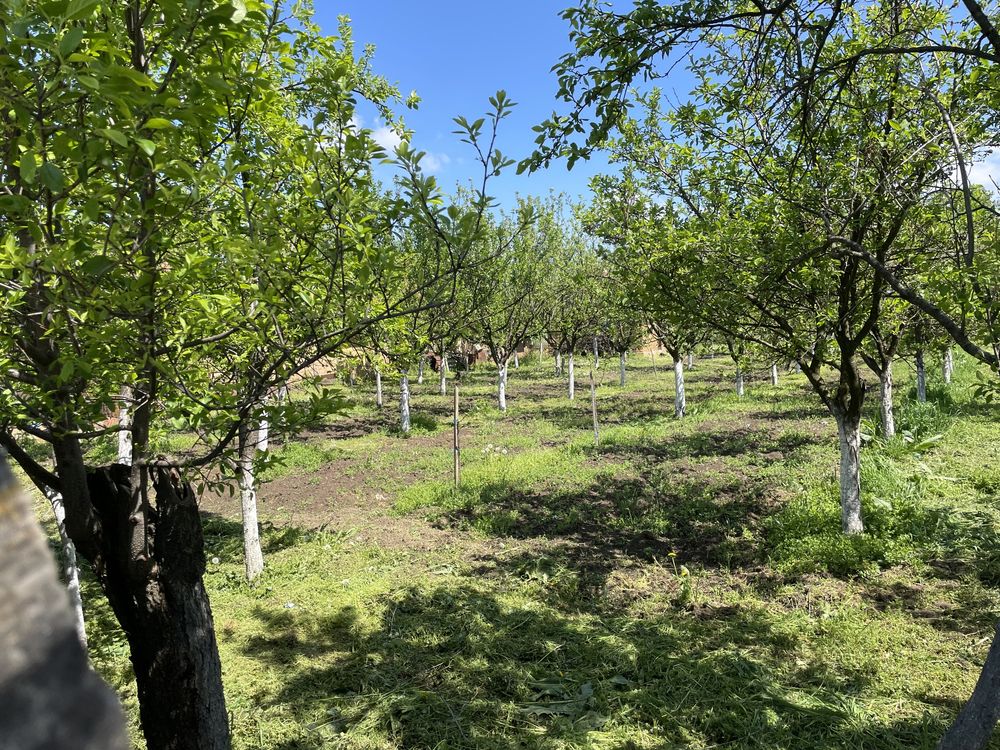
[
  {"x": 158, "y": 597},
  {"x": 253, "y": 556},
  {"x": 621, "y": 369},
  {"x": 887, "y": 417},
  {"x": 849, "y": 432},
  {"x": 378, "y": 389},
  {"x": 71, "y": 567},
  {"x": 774, "y": 374},
  {"x": 502, "y": 387},
  {"x": 974, "y": 725},
  {"x": 404, "y": 403},
  {"x": 740, "y": 389},
  {"x": 572, "y": 378},
  {"x": 680, "y": 397},
  {"x": 50, "y": 698},
  {"x": 948, "y": 365},
  {"x": 921, "y": 377}
]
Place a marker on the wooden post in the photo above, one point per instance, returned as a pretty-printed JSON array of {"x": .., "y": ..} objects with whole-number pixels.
[
  {"x": 593, "y": 408},
  {"x": 458, "y": 466}
]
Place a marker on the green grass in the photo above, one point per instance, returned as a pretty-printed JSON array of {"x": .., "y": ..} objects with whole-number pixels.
[{"x": 681, "y": 585}]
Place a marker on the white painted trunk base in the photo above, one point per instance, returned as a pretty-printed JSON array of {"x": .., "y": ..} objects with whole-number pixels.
[
  {"x": 887, "y": 417},
  {"x": 740, "y": 388},
  {"x": 850, "y": 477},
  {"x": 420, "y": 371},
  {"x": 559, "y": 363},
  {"x": 680, "y": 397},
  {"x": 572, "y": 378},
  {"x": 404, "y": 403},
  {"x": 125, "y": 436},
  {"x": 774, "y": 374},
  {"x": 948, "y": 365},
  {"x": 253, "y": 556},
  {"x": 921, "y": 377},
  {"x": 502, "y": 387},
  {"x": 378, "y": 388},
  {"x": 71, "y": 567}
]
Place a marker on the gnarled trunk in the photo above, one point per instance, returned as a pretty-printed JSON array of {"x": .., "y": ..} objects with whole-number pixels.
[
  {"x": 253, "y": 556},
  {"x": 849, "y": 432},
  {"x": 680, "y": 397},
  {"x": 404, "y": 403},
  {"x": 157, "y": 594}
]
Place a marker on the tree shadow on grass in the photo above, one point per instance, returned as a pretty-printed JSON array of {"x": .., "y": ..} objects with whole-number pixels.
[
  {"x": 452, "y": 664},
  {"x": 755, "y": 445}
]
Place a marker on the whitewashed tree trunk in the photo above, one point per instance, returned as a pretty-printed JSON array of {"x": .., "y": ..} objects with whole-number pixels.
[
  {"x": 921, "y": 377},
  {"x": 849, "y": 432},
  {"x": 442, "y": 372},
  {"x": 740, "y": 388},
  {"x": 125, "y": 425},
  {"x": 502, "y": 387},
  {"x": 517, "y": 362},
  {"x": 572, "y": 378},
  {"x": 420, "y": 370},
  {"x": 378, "y": 388},
  {"x": 404, "y": 403},
  {"x": 253, "y": 555},
  {"x": 71, "y": 568},
  {"x": 948, "y": 365},
  {"x": 888, "y": 418},
  {"x": 680, "y": 397},
  {"x": 597, "y": 355},
  {"x": 558, "y": 363},
  {"x": 541, "y": 347},
  {"x": 264, "y": 433},
  {"x": 774, "y": 374},
  {"x": 621, "y": 369},
  {"x": 690, "y": 360}
]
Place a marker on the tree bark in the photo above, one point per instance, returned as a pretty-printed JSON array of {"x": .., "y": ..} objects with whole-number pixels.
[
  {"x": 502, "y": 387},
  {"x": 559, "y": 368},
  {"x": 125, "y": 427},
  {"x": 158, "y": 597},
  {"x": 680, "y": 397},
  {"x": 597, "y": 355},
  {"x": 517, "y": 362},
  {"x": 740, "y": 389},
  {"x": 921, "y": 377},
  {"x": 974, "y": 725},
  {"x": 378, "y": 389},
  {"x": 572, "y": 378},
  {"x": 71, "y": 567},
  {"x": 886, "y": 414},
  {"x": 404, "y": 403},
  {"x": 690, "y": 360},
  {"x": 621, "y": 369},
  {"x": 420, "y": 370},
  {"x": 253, "y": 556},
  {"x": 443, "y": 377},
  {"x": 849, "y": 432},
  {"x": 948, "y": 365},
  {"x": 51, "y": 698},
  {"x": 774, "y": 374}
]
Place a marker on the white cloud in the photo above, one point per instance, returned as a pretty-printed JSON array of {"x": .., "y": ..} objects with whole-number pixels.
[
  {"x": 387, "y": 138},
  {"x": 433, "y": 163}
]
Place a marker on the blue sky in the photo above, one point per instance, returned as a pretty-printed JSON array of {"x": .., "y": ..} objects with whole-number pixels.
[{"x": 456, "y": 55}]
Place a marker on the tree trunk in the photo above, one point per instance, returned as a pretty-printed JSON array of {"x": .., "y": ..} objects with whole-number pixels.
[
  {"x": 517, "y": 362},
  {"x": 51, "y": 698},
  {"x": 849, "y": 431},
  {"x": 973, "y": 727},
  {"x": 690, "y": 360},
  {"x": 593, "y": 409},
  {"x": 420, "y": 370},
  {"x": 887, "y": 417},
  {"x": 158, "y": 597},
  {"x": 378, "y": 389},
  {"x": 404, "y": 403},
  {"x": 597, "y": 356},
  {"x": 559, "y": 369},
  {"x": 680, "y": 397},
  {"x": 443, "y": 377},
  {"x": 774, "y": 374},
  {"x": 253, "y": 556},
  {"x": 948, "y": 365},
  {"x": 71, "y": 568},
  {"x": 572, "y": 378},
  {"x": 502, "y": 387},
  {"x": 739, "y": 384},
  {"x": 541, "y": 344},
  {"x": 456, "y": 441},
  {"x": 621, "y": 369},
  {"x": 125, "y": 425},
  {"x": 921, "y": 377}
]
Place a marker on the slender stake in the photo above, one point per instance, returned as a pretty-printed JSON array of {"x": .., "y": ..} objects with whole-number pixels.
[
  {"x": 458, "y": 464},
  {"x": 593, "y": 408}
]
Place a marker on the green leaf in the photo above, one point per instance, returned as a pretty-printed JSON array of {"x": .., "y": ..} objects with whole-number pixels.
[
  {"x": 28, "y": 167},
  {"x": 146, "y": 145},
  {"x": 157, "y": 123},
  {"x": 239, "y": 10},
  {"x": 52, "y": 177},
  {"x": 70, "y": 41},
  {"x": 113, "y": 135},
  {"x": 78, "y": 9}
]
